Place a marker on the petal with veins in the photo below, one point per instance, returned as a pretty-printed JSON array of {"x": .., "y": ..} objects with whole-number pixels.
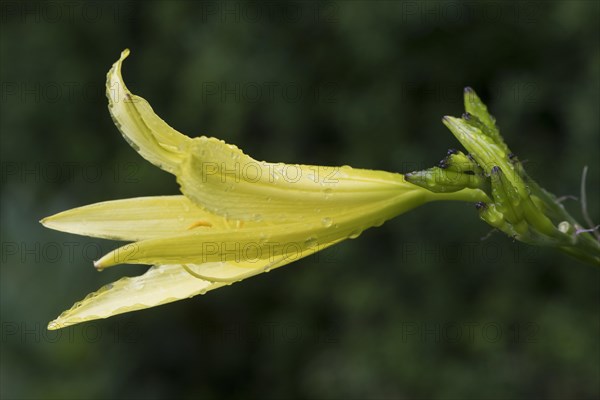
[
  {"x": 262, "y": 240},
  {"x": 159, "y": 285},
  {"x": 222, "y": 179},
  {"x": 225, "y": 181},
  {"x": 135, "y": 219}
]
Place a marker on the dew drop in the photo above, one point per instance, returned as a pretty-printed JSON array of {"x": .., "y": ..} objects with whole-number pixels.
[
  {"x": 327, "y": 222},
  {"x": 354, "y": 234},
  {"x": 564, "y": 227},
  {"x": 310, "y": 242}
]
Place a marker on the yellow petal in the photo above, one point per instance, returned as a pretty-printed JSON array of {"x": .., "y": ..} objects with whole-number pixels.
[
  {"x": 137, "y": 219},
  {"x": 159, "y": 285},
  {"x": 261, "y": 241},
  {"x": 225, "y": 181},
  {"x": 145, "y": 131}
]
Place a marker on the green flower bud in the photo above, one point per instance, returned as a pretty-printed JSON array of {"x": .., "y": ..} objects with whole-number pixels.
[
  {"x": 458, "y": 161},
  {"x": 519, "y": 206},
  {"x": 475, "y": 107},
  {"x": 490, "y": 214},
  {"x": 440, "y": 180}
]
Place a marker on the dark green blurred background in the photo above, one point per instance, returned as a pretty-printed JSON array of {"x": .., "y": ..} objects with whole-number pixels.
[{"x": 419, "y": 308}]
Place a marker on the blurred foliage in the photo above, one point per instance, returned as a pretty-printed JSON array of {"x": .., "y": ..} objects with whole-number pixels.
[{"x": 419, "y": 308}]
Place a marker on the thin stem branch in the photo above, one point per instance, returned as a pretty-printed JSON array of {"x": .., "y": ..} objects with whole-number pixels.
[{"x": 584, "y": 209}]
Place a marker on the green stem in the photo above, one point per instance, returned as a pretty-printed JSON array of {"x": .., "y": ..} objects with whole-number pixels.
[{"x": 468, "y": 195}]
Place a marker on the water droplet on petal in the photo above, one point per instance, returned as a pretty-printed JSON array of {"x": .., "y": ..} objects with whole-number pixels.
[
  {"x": 310, "y": 242},
  {"x": 354, "y": 234},
  {"x": 327, "y": 222}
]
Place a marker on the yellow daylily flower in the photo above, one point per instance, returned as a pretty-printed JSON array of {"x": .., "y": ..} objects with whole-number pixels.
[{"x": 237, "y": 217}]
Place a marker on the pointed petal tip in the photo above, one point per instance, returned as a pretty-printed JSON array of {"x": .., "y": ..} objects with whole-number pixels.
[
  {"x": 50, "y": 222},
  {"x": 99, "y": 265},
  {"x": 108, "y": 260},
  {"x": 57, "y": 324}
]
